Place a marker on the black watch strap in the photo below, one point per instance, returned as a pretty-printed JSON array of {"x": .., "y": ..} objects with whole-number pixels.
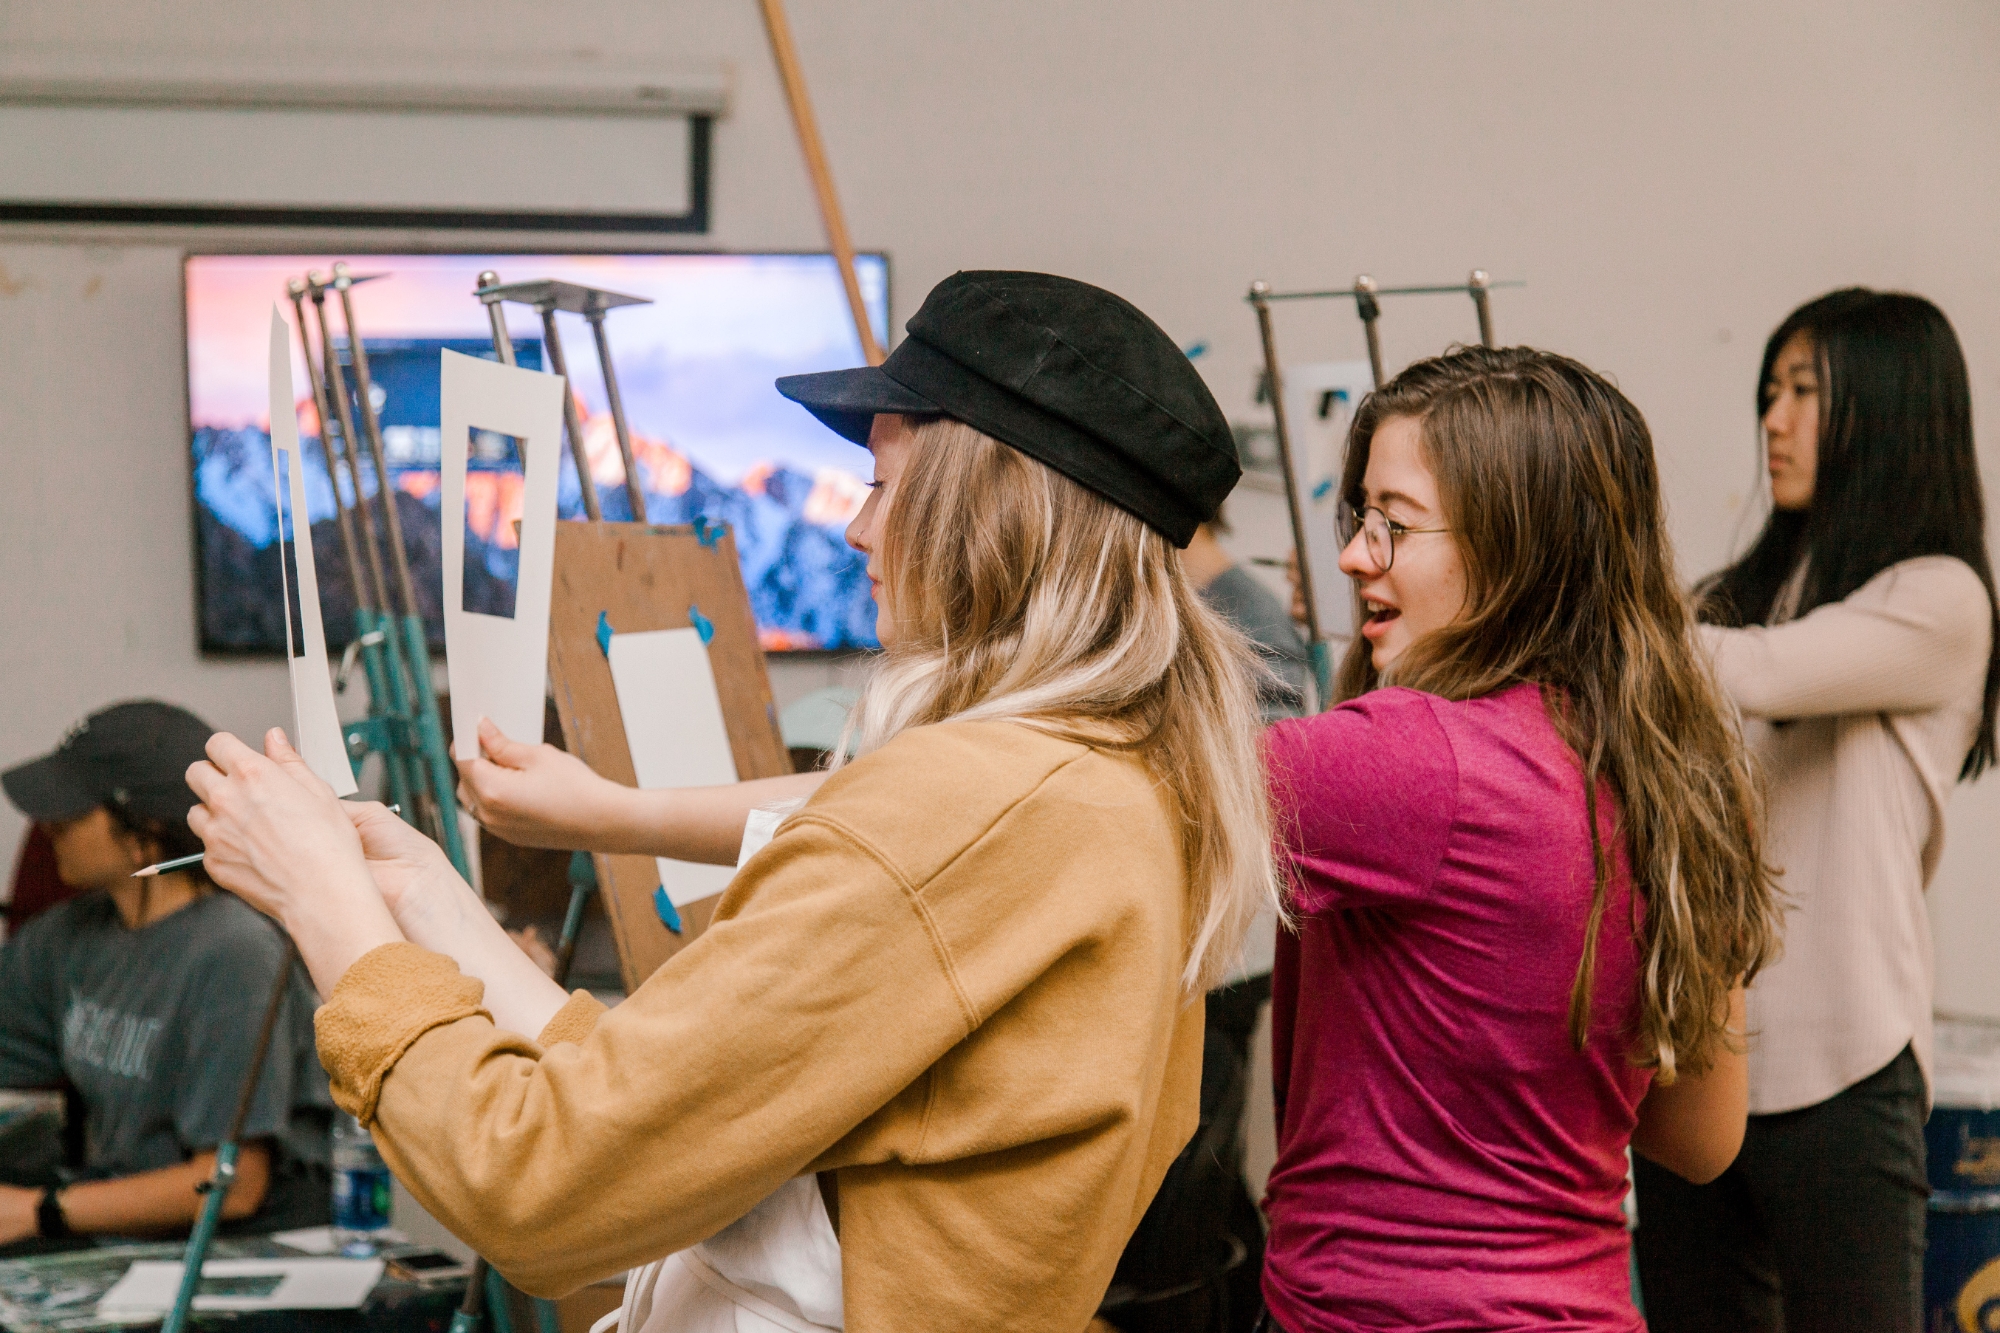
[{"x": 49, "y": 1220}]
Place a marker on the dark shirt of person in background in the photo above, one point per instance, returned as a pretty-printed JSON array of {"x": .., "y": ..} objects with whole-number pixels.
[{"x": 1231, "y": 589}]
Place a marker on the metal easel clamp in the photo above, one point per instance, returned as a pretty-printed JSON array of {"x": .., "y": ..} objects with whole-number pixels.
[
  {"x": 1366, "y": 295},
  {"x": 372, "y": 639},
  {"x": 381, "y": 734},
  {"x": 1370, "y": 311},
  {"x": 547, "y": 296}
]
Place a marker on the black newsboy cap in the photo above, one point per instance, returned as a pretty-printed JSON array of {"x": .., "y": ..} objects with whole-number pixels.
[{"x": 1063, "y": 371}]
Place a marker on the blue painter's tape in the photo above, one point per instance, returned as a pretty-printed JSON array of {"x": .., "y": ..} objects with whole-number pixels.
[
  {"x": 604, "y": 632},
  {"x": 702, "y": 625},
  {"x": 1319, "y": 491},
  {"x": 1195, "y": 351},
  {"x": 706, "y": 533},
  {"x": 665, "y": 907}
]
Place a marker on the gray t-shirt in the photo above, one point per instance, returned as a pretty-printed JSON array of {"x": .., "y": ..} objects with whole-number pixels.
[
  {"x": 1238, "y": 595},
  {"x": 155, "y": 1029}
]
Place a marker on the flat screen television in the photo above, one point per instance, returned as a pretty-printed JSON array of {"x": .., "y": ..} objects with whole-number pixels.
[{"x": 712, "y": 437}]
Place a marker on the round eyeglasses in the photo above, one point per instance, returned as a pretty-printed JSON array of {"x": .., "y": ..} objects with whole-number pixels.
[{"x": 1379, "y": 531}]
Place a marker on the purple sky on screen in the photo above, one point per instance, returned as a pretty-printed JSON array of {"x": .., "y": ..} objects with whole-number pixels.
[{"x": 695, "y": 367}]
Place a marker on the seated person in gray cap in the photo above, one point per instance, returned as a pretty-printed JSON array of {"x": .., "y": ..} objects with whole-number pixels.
[
  {"x": 145, "y": 995},
  {"x": 961, "y": 986}
]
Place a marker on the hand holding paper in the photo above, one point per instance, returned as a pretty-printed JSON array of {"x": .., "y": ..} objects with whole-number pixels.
[
  {"x": 277, "y": 838},
  {"x": 537, "y": 795},
  {"x": 436, "y": 910},
  {"x": 414, "y": 876}
]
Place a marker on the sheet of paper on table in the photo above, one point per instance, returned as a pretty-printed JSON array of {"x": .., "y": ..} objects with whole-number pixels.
[
  {"x": 315, "y": 723},
  {"x": 248, "y": 1284},
  {"x": 319, "y": 1240},
  {"x": 498, "y": 665},
  {"x": 674, "y": 729}
]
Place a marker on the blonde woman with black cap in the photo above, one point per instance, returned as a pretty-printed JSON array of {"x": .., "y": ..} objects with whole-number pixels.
[
  {"x": 961, "y": 983},
  {"x": 134, "y": 993}
]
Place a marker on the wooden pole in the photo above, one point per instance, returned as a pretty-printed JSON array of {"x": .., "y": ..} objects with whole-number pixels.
[{"x": 786, "y": 54}]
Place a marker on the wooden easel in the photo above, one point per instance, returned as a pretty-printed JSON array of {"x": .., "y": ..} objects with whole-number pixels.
[
  {"x": 792, "y": 74},
  {"x": 643, "y": 576}
]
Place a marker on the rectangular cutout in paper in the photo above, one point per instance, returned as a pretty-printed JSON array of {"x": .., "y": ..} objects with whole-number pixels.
[
  {"x": 490, "y": 582},
  {"x": 498, "y": 663},
  {"x": 315, "y": 722},
  {"x": 674, "y": 729}
]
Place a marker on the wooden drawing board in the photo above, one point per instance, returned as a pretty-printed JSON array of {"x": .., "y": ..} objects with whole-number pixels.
[{"x": 643, "y": 576}]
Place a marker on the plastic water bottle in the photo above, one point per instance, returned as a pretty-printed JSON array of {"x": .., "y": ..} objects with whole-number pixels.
[{"x": 360, "y": 1188}]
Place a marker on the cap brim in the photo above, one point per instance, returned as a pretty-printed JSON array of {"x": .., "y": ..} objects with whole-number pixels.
[
  {"x": 48, "y": 789},
  {"x": 847, "y": 401}
]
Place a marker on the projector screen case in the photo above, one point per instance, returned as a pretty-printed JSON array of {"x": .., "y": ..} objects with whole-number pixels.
[{"x": 520, "y": 145}]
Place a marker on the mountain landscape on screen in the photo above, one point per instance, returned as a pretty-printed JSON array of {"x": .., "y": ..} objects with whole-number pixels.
[{"x": 711, "y": 437}]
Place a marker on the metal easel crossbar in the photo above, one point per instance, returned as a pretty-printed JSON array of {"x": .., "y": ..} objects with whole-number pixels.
[{"x": 1366, "y": 294}]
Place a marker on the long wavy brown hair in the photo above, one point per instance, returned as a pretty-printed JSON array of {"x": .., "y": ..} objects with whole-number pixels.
[{"x": 1549, "y": 488}]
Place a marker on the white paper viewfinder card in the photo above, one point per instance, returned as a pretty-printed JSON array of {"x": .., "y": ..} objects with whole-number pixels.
[
  {"x": 246, "y": 1284},
  {"x": 1320, "y": 399},
  {"x": 498, "y": 665},
  {"x": 315, "y": 722},
  {"x": 674, "y": 729}
]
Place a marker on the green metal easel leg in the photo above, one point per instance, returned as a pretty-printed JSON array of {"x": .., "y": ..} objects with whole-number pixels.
[
  {"x": 368, "y": 633},
  {"x": 430, "y": 742},
  {"x": 1321, "y": 658},
  {"x": 216, "y": 1189}
]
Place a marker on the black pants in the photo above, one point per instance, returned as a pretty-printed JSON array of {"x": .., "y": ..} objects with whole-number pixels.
[
  {"x": 1203, "y": 1201},
  {"x": 1818, "y": 1226}
]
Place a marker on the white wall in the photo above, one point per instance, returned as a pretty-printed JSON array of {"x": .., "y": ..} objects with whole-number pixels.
[{"x": 1669, "y": 179}]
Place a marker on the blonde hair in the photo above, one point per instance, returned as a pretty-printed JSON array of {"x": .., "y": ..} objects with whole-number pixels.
[{"x": 1020, "y": 596}]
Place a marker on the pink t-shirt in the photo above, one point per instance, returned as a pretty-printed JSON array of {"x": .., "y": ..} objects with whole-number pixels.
[{"x": 1447, "y": 1159}]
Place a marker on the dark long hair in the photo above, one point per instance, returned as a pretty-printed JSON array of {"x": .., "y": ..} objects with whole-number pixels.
[
  {"x": 1897, "y": 477},
  {"x": 171, "y": 839},
  {"x": 1550, "y": 490}
]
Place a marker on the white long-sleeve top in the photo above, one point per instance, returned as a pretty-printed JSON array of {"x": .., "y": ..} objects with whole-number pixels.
[{"x": 1861, "y": 713}]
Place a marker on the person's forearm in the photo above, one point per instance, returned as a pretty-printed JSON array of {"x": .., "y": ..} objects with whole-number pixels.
[
  {"x": 1904, "y": 646},
  {"x": 564, "y": 1166},
  {"x": 453, "y": 922},
  {"x": 1694, "y": 1126},
  {"x": 166, "y": 1199},
  {"x": 331, "y": 940},
  {"x": 703, "y": 824}
]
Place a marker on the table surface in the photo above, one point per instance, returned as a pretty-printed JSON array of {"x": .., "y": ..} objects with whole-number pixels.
[{"x": 58, "y": 1293}]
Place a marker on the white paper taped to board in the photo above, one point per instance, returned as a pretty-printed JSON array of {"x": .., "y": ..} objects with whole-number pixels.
[
  {"x": 1319, "y": 404},
  {"x": 674, "y": 729},
  {"x": 498, "y": 665},
  {"x": 315, "y": 722}
]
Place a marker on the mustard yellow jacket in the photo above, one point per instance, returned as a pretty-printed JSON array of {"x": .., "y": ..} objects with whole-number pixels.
[{"x": 953, "y": 979}]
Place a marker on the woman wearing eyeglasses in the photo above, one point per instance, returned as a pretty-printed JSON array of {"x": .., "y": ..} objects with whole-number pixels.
[
  {"x": 1524, "y": 867},
  {"x": 1858, "y": 634}
]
